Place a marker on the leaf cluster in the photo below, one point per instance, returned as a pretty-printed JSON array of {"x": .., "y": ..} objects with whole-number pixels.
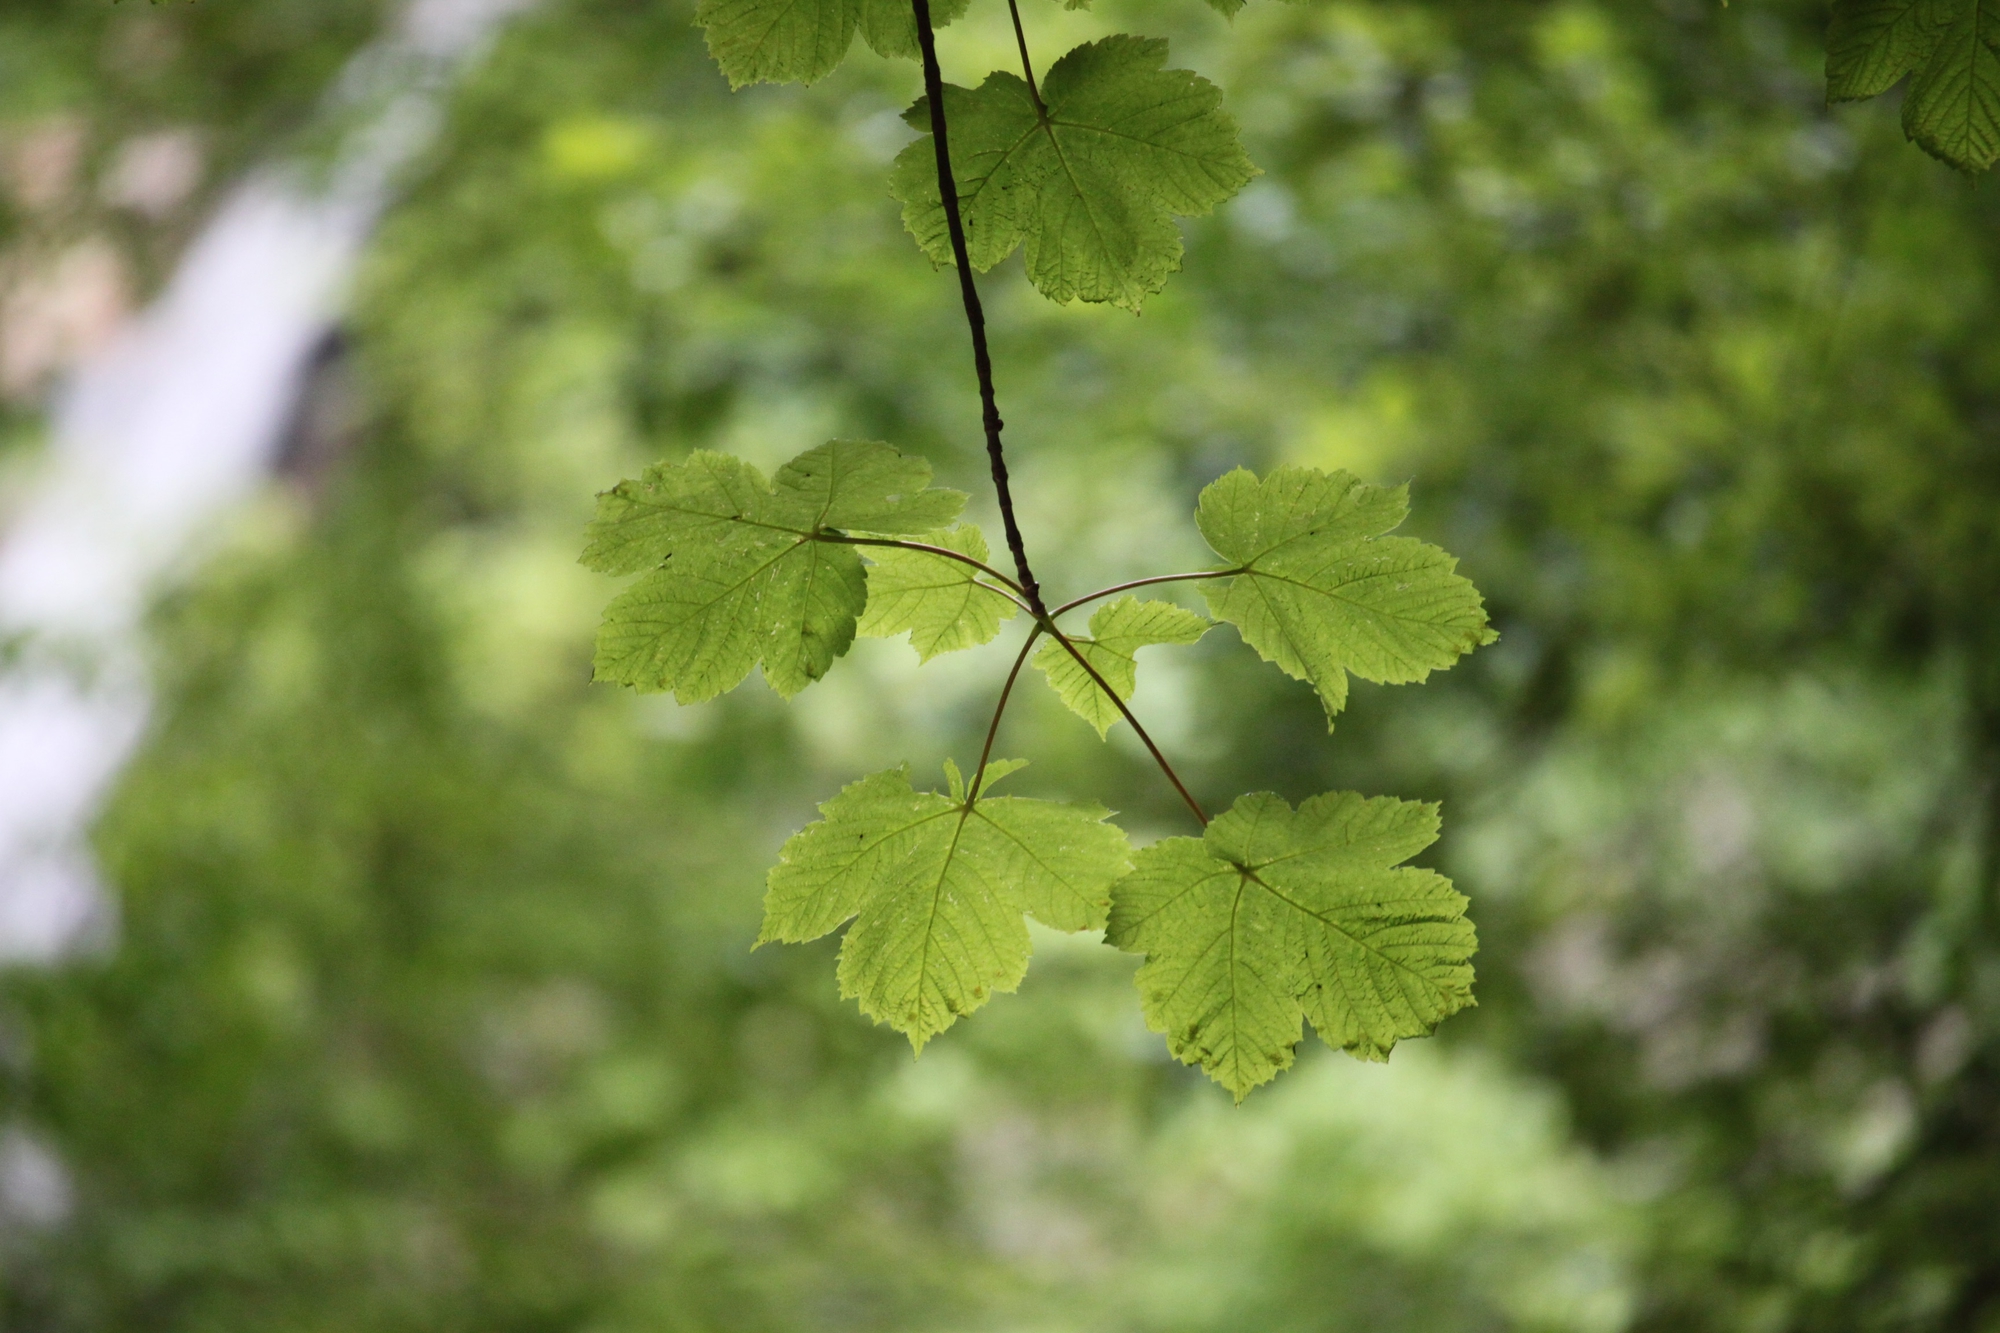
[
  {"x": 1270, "y": 916},
  {"x": 1273, "y": 915}
]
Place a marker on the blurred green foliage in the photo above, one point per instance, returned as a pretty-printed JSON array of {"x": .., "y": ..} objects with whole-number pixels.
[
  {"x": 432, "y": 1004},
  {"x": 120, "y": 123}
]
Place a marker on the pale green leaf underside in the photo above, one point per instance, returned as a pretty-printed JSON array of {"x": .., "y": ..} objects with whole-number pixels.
[
  {"x": 1118, "y": 630},
  {"x": 738, "y": 572},
  {"x": 937, "y": 892},
  {"x": 996, "y": 769},
  {"x": 1322, "y": 593},
  {"x": 1951, "y": 51},
  {"x": 940, "y": 601},
  {"x": 798, "y": 41},
  {"x": 1276, "y": 914},
  {"x": 1090, "y": 192}
]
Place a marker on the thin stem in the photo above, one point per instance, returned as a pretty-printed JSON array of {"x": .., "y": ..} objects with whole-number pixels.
[
  {"x": 1027, "y": 67},
  {"x": 1115, "y": 588},
  {"x": 982, "y": 361},
  {"x": 975, "y": 315},
  {"x": 842, "y": 539},
  {"x": 1112, "y": 695},
  {"x": 993, "y": 727}
]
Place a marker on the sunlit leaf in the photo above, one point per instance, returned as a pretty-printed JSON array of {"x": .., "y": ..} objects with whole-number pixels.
[
  {"x": 937, "y": 890},
  {"x": 739, "y": 573},
  {"x": 1091, "y": 189},
  {"x": 1322, "y": 592},
  {"x": 943, "y": 603},
  {"x": 1951, "y": 51},
  {"x": 1276, "y": 914},
  {"x": 1118, "y": 630},
  {"x": 799, "y": 41}
]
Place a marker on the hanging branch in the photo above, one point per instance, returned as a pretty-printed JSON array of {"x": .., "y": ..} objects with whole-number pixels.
[
  {"x": 975, "y": 314},
  {"x": 1274, "y": 915}
]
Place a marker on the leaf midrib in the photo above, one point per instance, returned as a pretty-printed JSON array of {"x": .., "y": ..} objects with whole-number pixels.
[
  {"x": 1333, "y": 594},
  {"x": 1056, "y": 120},
  {"x": 1335, "y": 926}
]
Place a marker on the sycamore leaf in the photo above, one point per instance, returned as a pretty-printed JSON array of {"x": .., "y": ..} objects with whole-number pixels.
[
  {"x": 989, "y": 130},
  {"x": 1322, "y": 593},
  {"x": 739, "y": 573},
  {"x": 996, "y": 769},
  {"x": 890, "y": 26},
  {"x": 1117, "y": 631},
  {"x": 1091, "y": 189},
  {"x": 1274, "y": 914},
  {"x": 1953, "y": 106},
  {"x": 941, "y": 602},
  {"x": 1872, "y": 43},
  {"x": 798, "y": 41},
  {"x": 1951, "y": 50},
  {"x": 937, "y": 891}
]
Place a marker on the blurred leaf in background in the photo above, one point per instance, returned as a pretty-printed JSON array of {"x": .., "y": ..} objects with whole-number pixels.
[{"x": 432, "y": 1004}]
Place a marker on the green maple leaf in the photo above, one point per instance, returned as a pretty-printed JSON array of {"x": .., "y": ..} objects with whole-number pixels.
[
  {"x": 1117, "y": 631},
  {"x": 938, "y": 888},
  {"x": 1275, "y": 914},
  {"x": 798, "y": 41},
  {"x": 739, "y": 573},
  {"x": 1872, "y": 43},
  {"x": 940, "y": 601},
  {"x": 1951, "y": 50},
  {"x": 1091, "y": 189},
  {"x": 1321, "y": 592}
]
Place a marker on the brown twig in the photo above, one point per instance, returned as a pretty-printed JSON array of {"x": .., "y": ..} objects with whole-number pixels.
[
  {"x": 1027, "y": 68},
  {"x": 1116, "y": 588},
  {"x": 975, "y": 318},
  {"x": 842, "y": 539},
  {"x": 1112, "y": 694},
  {"x": 993, "y": 727},
  {"x": 975, "y": 315}
]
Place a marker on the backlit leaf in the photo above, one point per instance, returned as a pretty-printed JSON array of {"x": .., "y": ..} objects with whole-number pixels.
[
  {"x": 942, "y": 602},
  {"x": 798, "y": 41},
  {"x": 1951, "y": 51},
  {"x": 1322, "y": 593},
  {"x": 1118, "y": 630},
  {"x": 739, "y": 571},
  {"x": 1092, "y": 189},
  {"x": 1872, "y": 43},
  {"x": 937, "y": 890},
  {"x": 1276, "y": 914},
  {"x": 1952, "y": 108}
]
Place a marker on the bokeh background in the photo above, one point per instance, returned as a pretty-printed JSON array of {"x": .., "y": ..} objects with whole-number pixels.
[{"x": 370, "y": 969}]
